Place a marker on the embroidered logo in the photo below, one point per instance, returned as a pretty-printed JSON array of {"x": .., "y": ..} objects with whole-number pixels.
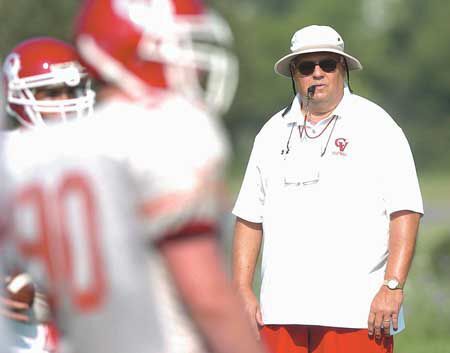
[{"x": 341, "y": 143}]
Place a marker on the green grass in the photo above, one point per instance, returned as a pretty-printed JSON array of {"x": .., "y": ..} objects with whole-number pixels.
[
  {"x": 421, "y": 344},
  {"x": 427, "y": 296}
]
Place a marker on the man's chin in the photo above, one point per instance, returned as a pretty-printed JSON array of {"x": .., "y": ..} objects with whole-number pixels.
[{"x": 320, "y": 97}]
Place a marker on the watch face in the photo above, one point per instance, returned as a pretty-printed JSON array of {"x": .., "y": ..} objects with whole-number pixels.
[{"x": 392, "y": 284}]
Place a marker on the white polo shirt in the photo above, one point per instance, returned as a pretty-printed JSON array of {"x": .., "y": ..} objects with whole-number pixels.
[{"x": 324, "y": 204}]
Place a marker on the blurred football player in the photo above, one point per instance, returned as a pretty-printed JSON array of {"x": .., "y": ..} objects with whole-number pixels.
[
  {"x": 149, "y": 148},
  {"x": 44, "y": 83},
  {"x": 160, "y": 53},
  {"x": 5, "y": 334}
]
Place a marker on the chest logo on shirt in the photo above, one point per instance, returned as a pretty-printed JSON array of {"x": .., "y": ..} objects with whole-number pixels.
[{"x": 340, "y": 143}]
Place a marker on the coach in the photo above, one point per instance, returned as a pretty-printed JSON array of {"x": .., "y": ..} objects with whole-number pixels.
[{"x": 331, "y": 189}]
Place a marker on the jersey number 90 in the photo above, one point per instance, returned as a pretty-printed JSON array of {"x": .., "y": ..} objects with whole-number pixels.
[{"x": 57, "y": 229}]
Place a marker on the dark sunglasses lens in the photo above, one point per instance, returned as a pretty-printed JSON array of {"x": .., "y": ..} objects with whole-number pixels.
[
  {"x": 328, "y": 65},
  {"x": 306, "y": 67}
]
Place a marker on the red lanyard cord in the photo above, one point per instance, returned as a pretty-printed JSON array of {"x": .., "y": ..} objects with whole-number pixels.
[{"x": 302, "y": 129}]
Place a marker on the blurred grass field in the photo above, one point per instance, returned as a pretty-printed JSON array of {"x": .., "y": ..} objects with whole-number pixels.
[
  {"x": 427, "y": 291},
  {"x": 427, "y": 296}
]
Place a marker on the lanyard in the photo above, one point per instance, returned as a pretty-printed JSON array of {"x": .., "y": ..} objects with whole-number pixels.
[{"x": 304, "y": 132}]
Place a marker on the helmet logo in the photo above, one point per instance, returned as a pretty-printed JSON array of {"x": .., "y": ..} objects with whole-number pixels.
[{"x": 69, "y": 72}]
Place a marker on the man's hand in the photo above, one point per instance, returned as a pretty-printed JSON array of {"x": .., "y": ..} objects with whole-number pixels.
[
  {"x": 251, "y": 306},
  {"x": 14, "y": 310},
  {"x": 384, "y": 310}
]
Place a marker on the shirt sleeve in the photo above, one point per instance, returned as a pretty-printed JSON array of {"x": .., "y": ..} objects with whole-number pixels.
[
  {"x": 400, "y": 185},
  {"x": 250, "y": 202}
]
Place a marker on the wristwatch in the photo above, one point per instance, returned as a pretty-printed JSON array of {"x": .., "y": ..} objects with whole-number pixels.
[{"x": 392, "y": 283}]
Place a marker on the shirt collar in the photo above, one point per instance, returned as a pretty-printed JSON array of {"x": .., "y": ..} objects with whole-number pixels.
[{"x": 295, "y": 115}]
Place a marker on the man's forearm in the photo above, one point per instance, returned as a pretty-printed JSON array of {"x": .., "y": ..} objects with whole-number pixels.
[
  {"x": 197, "y": 270},
  {"x": 403, "y": 232},
  {"x": 246, "y": 247},
  {"x": 385, "y": 307}
]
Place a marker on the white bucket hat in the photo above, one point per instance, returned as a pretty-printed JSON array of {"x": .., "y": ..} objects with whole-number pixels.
[{"x": 313, "y": 39}]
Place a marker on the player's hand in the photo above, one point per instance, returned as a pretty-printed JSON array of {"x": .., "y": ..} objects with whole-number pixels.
[
  {"x": 14, "y": 310},
  {"x": 384, "y": 311},
  {"x": 251, "y": 306}
]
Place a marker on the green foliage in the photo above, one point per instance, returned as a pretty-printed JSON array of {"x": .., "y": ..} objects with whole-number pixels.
[
  {"x": 402, "y": 47},
  {"x": 22, "y": 19},
  {"x": 435, "y": 187}
]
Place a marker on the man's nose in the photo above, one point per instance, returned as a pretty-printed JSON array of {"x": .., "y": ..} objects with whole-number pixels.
[{"x": 318, "y": 72}]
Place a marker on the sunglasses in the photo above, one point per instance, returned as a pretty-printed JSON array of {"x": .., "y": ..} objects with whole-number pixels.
[{"x": 307, "y": 67}]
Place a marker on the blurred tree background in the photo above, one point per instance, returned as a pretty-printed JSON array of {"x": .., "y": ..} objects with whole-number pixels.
[
  {"x": 403, "y": 46},
  {"x": 399, "y": 42}
]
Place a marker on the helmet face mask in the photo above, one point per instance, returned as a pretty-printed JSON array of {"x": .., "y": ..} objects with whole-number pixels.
[
  {"x": 44, "y": 81},
  {"x": 201, "y": 64},
  {"x": 185, "y": 48}
]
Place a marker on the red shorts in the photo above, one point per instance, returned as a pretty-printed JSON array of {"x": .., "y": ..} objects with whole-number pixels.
[{"x": 319, "y": 339}]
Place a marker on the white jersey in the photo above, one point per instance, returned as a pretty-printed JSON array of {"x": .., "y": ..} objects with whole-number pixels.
[
  {"x": 4, "y": 328},
  {"x": 86, "y": 192}
]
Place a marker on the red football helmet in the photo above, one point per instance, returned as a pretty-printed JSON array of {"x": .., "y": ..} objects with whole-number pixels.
[
  {"x": 45, "y": 63},
  {"x": 146, "y": 45}
]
